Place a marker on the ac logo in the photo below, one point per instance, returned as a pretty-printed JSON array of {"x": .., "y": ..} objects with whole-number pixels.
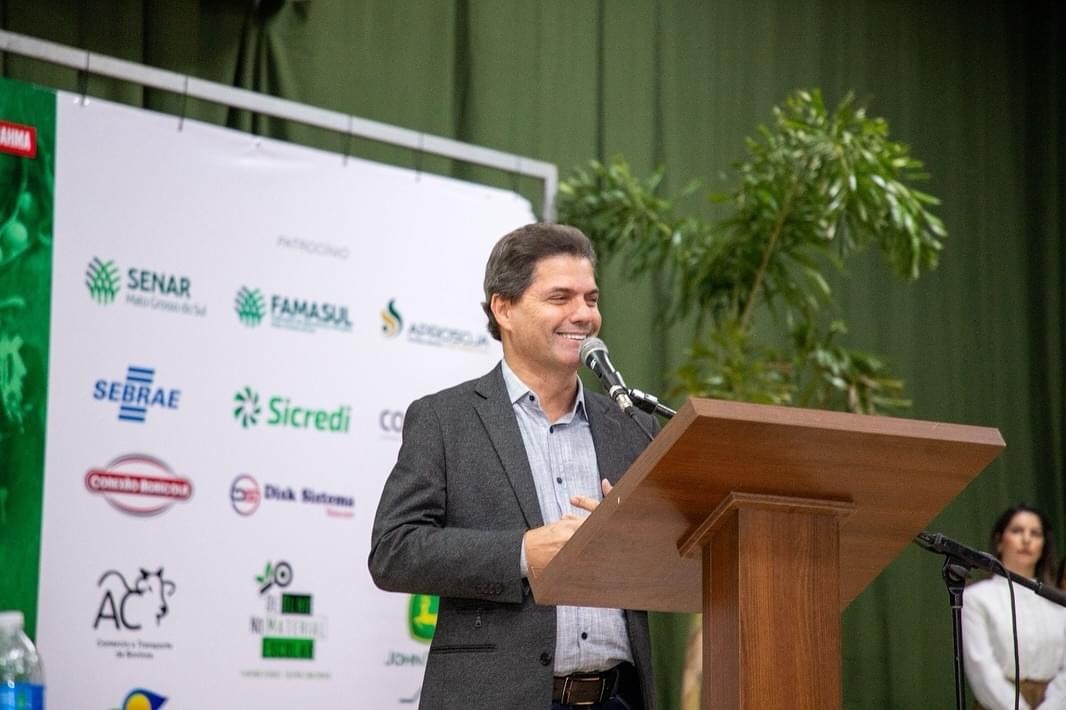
[{"x": 146, "y": 597}]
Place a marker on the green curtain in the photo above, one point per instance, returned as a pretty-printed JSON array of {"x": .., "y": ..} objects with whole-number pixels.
[{"x": 975, "y": 87}]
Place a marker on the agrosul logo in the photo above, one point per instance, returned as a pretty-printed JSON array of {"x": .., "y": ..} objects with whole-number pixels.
[
  {"x": 138, "y": 484},
  {"x": 281, "y": 412},
  {"x": 136, "y": 394},
  {"x": 101, "y": 278},
  {"x": 290, "y": 312},
  {"x": 250, "y": 306},
  {"x": 423, "y": 333},
  {"x": 391, "y": 320},
  {"x": 145, "y": 288}
]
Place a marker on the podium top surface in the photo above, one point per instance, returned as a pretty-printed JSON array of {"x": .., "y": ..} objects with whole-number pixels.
[{"x": 898, "y": 473}]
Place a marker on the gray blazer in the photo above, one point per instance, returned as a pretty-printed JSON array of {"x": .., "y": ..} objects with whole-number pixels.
[{"x": 450, "y": 522}]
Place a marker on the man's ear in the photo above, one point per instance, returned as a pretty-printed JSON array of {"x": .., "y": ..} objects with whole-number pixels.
[{"x": 501, "y": 309}]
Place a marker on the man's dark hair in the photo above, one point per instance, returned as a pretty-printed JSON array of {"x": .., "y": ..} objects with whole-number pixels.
[{"x": 509, "y": 270}]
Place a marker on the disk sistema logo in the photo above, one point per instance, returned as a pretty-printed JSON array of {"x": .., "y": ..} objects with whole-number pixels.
[
  {"x": 287, "y": 626},
  {"x": 246, "y": 495},
  {"x": 137, "y": 394},
  {"x": 434, "y": 334},
  {"x": 138, "y": 484},
  {"x": 145, "y": 288},
  {"x": 290, "y": 312},
  {"x": 282, "y": 412}
]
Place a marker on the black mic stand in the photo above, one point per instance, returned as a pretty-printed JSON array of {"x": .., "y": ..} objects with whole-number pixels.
[{"x": 958, "y": 561}]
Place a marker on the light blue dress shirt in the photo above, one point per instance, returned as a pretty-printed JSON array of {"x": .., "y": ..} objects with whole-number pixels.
[{"x": 563, "y": 461}]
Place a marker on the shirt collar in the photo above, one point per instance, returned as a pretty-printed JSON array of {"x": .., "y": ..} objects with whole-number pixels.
[{"x": 517, "y": 390}]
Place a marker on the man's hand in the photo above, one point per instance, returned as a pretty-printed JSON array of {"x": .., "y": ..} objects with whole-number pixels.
[
  {"x": 589, "y": 504},
  {"x": 543, "y": 543}
]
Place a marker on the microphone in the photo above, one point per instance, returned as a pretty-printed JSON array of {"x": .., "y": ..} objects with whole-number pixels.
[{"x": 594, "y": 355}]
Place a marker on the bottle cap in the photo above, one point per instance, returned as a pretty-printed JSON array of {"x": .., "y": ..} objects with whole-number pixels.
[{"x": 11, "y": 621}]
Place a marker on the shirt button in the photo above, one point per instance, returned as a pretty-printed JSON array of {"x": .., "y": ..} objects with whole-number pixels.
[
  {"x": 558, "y": 479},
  {"x": 584, "y": 635},
  {"x": 532, "y": 398},
  {"x": 551, "y": 430}
]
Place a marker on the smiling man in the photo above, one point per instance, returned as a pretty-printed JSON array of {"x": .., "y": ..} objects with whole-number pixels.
[{"x": 493, "y": 477}]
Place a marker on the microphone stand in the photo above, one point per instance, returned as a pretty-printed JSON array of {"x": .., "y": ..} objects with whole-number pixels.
[
  {"x": 647, "y": 402},
  {"x": 958, "y": 561}
]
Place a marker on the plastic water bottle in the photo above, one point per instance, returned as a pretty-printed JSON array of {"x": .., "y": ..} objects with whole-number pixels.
[{"x": 21, "y": 674}]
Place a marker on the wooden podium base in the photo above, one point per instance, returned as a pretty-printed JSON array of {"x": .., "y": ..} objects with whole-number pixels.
[{"x": 771, "y": 602}]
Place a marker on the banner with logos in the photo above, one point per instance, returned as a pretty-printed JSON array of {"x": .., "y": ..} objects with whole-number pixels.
[
  {"x": 238, "y": 326},
  {"x": 27, "y": 159}
]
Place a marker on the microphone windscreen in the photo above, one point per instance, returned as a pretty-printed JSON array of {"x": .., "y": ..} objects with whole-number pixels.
[{"x": 591, "y": 345}]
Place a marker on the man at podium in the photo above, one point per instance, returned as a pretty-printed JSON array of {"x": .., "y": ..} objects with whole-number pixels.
[{"x": 493, "y": 476}]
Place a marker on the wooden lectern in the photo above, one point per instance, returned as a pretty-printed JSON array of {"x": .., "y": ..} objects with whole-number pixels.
[{"x": 769, "y": 520}]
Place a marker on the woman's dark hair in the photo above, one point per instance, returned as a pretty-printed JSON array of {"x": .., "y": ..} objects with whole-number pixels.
[{"x": 1045, "y": 566}]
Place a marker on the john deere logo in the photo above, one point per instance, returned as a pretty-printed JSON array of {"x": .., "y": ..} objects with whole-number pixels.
[
  {"x": 250, "y": 306},
  {"x": 391, "y": 320},
  {"x": 247, "y": 410},
  {"x": 102, "y": 280},
  {"x": 422, "y": 617}
]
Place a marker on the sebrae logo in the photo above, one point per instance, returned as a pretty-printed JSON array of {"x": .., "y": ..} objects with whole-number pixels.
[
  {"x": 250, "y": 306},
  {"x": 422, "y": 333},
  {"x": 281, "y": 412},
  {"x": 141, "y": 699},
  {"x": 138, "y": 484},
  {"x": 136, "y": 394},
  {"x": 101, "y": 278}
]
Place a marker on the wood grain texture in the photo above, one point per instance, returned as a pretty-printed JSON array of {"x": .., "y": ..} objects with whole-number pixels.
[{"x": 898, "y": 474}]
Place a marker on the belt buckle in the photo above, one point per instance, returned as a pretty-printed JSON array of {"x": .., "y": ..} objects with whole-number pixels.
[{"x": 568, "y": 687}]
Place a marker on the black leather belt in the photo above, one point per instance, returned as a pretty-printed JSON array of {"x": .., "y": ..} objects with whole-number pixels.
[{"x": 586, "y": 688}]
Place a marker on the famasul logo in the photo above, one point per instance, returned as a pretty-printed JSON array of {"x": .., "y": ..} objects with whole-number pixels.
[
  {"x": 102, "y": 280},
  {"x": 422, "y": 616},
  {"x": 282, "y": 412},
  {"x": 250, "y": 306},
  {"x": 247, "y": 410},
  {"x": 391, "y": 320}
]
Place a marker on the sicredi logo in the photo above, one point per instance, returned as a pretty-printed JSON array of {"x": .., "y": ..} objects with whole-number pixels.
[
  {"x": 137, "y": 394},
  {"x": 246, "y": 496},
  {"x": 138, "y": 484},
  {"x": 282, "y": 412},
  {"x": 145, "y": 288},
  {"x": 290, "y": 312},
  {"x": 423, "y": 333}
]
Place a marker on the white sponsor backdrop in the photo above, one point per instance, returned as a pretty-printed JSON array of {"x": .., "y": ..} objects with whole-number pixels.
[{"x": 186, "y": 218}]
